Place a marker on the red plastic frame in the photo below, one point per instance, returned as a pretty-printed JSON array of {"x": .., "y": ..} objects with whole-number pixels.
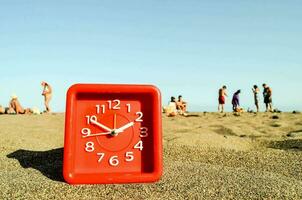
[{"x": 70, "y": 173}]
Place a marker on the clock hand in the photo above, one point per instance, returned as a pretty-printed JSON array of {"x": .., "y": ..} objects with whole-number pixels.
[
  {"x": 120, "y": 130},
  {"x": 100, "y": 125},
  {"x": 114, "y": 122},
  {"x": 97, "y": 134}
]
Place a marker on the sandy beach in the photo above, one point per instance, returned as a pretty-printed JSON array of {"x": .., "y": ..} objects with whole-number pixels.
[{"x": 206, "y": 156}]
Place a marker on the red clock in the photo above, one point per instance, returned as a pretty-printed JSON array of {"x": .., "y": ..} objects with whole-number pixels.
[{"x": 113, "y": 134}]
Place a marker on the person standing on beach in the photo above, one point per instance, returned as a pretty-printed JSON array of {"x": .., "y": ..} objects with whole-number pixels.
[
  {"x": 267, "y": 95},
  {"x": 47, "y": 93},
  {"x": 235, "y": 101},
  {"x": 256, "y": 91},
  {"x": 221, "y": 99}
]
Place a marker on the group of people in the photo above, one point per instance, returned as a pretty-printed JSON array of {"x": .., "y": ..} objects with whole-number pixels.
[
  {"x": 179, "y": 106},
  {"x": 267, "y": 96},
  {"x": 14, "y": 106},
  {"x": 176, "y": 107}
]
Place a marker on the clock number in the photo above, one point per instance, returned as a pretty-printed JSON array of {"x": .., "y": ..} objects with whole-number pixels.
[
  {"x": 139, "y": 145},
  {"x": 113, "y": 161},
  {"x": 114, "y": 105},
  {"x": 129, "y": 157},
  {"x": 89, "y": 147},
  {"x": 100, "y": 108},
  {"x": 128, "y": 107},
  {"x": 91, "y": 118},
  {"x": 109, "y": 104},
  {"x": 117, "y": 105},
  {"x": 144, "y": 132},
  {"x": 88, "y": 119},
  {"x": 140, "y": 117},
  {"x": 86, "y": 132},
  {"x": 103, "y": 109},
  {"x": 101, "y": 155}
]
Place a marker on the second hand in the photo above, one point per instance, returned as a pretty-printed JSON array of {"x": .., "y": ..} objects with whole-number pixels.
[{"x": 114, "y": 122}]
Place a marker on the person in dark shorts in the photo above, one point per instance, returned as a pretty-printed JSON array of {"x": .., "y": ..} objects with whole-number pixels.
[
  {"x": 221, "y": 98},
  {"x": 267, "y": 95},
  {"x": 256, "y": 91}
]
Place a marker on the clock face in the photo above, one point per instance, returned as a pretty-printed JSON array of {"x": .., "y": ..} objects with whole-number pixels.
[
  {"x": 112, "y": 137},
  {"x": 112, "y": 134}
]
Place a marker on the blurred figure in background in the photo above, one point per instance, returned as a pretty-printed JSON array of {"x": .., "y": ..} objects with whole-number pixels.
[
  {"x": 181, "y": 105},
  {"x": 171, "y": 110},
  {"x": 47, "y": 93},
  {"x": 235, "y": 101},
  {"x": 267, "y": 95},
  {"x": 16, "y": 108},
  {"x": 221, "y": 99},
  {"x": 256, "y": 91}
]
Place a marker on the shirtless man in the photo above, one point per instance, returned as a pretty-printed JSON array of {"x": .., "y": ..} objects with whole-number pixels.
[
  {"x": 181, "y": 105},
  {"x": 221, "y": 99},
  {"x": 15, "y": 106},
  {"x": 47, "y": 93},
  {"x": 267, "y": 95}
]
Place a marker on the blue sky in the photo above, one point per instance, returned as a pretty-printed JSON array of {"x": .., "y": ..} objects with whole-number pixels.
[{"x": 184, "y": 47}]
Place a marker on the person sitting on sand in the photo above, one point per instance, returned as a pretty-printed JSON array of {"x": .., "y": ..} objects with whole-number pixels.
[
  {"x": 235, "y": 101},
  {"x": 16, "y": 108},
  {"x": 2, "y": 110},
  {"x": 47, "y": 93},
  {"x": 256, "y": 91},
  {"x": 221, "y": 99},
  {"x": 267, "y": 95},
  {"x": 171, "y": 110},
  {"x": 181, "y": 105}
]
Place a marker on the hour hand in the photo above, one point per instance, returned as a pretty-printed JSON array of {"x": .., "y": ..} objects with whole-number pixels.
[
  {"x": 95, "y": 122},
  {"x": 120, "y": 130}
]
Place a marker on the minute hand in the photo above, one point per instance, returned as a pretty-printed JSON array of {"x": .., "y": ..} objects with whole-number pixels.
[
  {"x": 120, "y": 130},
  {"x": 96, "y": 134}
]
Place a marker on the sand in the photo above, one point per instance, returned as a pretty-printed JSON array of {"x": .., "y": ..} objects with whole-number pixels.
[{"x": 208, "y": 156}]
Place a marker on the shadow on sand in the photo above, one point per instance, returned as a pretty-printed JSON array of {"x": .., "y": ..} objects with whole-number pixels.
[
  {"x": 294, "y": 144},
  {"x": 49, "y": 163}
]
